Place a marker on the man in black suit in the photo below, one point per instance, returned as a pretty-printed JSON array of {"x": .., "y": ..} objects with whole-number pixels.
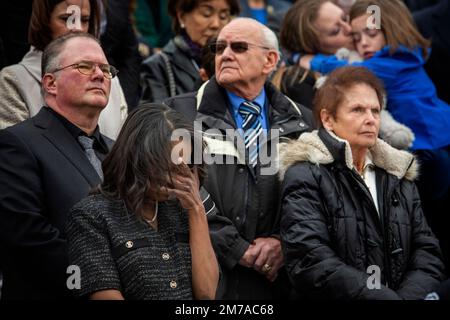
[{"x": 45, "y": 167}]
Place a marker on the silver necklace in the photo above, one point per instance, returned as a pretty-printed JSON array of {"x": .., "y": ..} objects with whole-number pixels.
[{"x": 155, "y": 215}]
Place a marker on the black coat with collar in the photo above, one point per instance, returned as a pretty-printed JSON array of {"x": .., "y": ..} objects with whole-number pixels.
[
  {"x": 154, "y": 72},
  {"x": 248, "y": 205},
  {"x": 43, "y": 173},
  {"x": 331, "y": 232}
]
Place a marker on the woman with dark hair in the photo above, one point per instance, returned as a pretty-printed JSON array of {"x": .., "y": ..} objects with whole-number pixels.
[
  {"x": 174, "y": 70},
  {"x": 20, "y": 84},
  {"x": 144, "y": 233},
  {"x": 352, "y": 225}
]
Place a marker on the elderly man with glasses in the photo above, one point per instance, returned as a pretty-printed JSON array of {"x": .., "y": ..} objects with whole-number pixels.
[
  {"x": 249, "y": 117},
  {"x": 47, "y": 164}
]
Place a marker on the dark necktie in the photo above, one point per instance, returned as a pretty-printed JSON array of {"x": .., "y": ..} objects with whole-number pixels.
[
  {"x": 87, "y": 144},
  {"x": 252, "y": 128}
]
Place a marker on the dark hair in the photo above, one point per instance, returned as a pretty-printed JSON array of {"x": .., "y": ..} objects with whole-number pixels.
[
  {"x": 187, "y": 6},
  {"x": 141, "y": 156},
  {"x": 333, "y": 91},
  {"x": 397, "y": 24},
  {"x": 51, "y": 54},
  {"x": 39, "y": 33},
  {"x": 207, "y": 58},
  {"x": 298, "y": 33}
]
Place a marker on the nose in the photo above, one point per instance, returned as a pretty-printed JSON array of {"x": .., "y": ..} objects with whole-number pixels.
[
  {"x": 364, "y": 40},
  {"x": 370, "y": 117},
  {"x": 346, "y": 28},
  {"x": 98, "y": 73},
  {"x": 215, "y": 22},
  {"x": 227, "y": 53}
]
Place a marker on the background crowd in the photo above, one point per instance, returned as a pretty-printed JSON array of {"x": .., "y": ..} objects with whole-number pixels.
[{"x": 88, "y": 106}]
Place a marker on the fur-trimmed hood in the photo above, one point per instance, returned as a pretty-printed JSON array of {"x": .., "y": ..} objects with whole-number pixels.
[{"x": 310, "y": 147}]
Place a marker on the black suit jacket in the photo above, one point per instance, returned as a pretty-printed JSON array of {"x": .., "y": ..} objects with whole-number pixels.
[{"x": 43, "y": 173}]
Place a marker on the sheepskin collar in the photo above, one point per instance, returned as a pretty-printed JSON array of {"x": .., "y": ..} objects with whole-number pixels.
[{"x": 323, "y": 147}]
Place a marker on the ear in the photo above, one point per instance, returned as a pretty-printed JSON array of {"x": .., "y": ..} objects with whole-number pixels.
[
  {"x": 49, "y": 83},
  {"x": 327, "y": 119},
  {"x": 270, "y": 64},
  {"x": 180, "y": 16}
]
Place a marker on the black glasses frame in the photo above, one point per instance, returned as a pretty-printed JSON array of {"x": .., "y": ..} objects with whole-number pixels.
[{"x": 236, "y": 46}]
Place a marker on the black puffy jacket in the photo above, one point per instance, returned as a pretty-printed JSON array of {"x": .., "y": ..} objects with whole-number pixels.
[
  {"x": 156, "y": 72},
  {"x": 247, "y": 204},
  {"x": 331, "y": 231}
]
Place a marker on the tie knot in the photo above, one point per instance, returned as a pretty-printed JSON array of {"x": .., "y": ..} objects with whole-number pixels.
[
  {"x": 86, "y": 142},
  {"x": 249, "y": 107}
]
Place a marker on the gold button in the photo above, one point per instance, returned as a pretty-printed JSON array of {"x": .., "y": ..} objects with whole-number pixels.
[
  {"x": 129, "y": 244},
  {"x": 166, "y": 256},
  {"x": 173, "y": 284}
]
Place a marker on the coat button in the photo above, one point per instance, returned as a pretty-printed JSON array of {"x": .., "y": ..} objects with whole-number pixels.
[
  {"x": 173, "y": 284},
  {"x": 395, "y": 202},
  {"x": 301, "y": 124},
  {"x": 165, "y": 256},
  {"x": 238, "y": 219},
  {"x": 241, "y": 170},
  {"x": 129, "y": 244},
  {"x": 281, "y": 130}
]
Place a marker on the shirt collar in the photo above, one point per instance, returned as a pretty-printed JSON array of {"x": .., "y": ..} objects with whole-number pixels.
[
  {"x": 368, "y": 162},
  {"x": 236, "y": 101},
  {"x": 75, "y": 132}
]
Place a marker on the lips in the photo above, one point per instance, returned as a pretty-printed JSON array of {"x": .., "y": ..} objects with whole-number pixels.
[
  {"x": 97, "y": 88},
  {"x": 368, "y": 54},
  {"x": 226, "y": 68}
]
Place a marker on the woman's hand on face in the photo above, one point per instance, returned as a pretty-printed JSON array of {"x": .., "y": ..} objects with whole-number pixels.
[
  {"x": 305, "y": 61},
  {"x": 187, "y": 188}
]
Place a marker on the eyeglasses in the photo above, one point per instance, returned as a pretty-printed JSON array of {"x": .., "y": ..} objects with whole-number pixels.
[
  {"x": 88, "y": 68},
  {"x": 237, "y": 46}
]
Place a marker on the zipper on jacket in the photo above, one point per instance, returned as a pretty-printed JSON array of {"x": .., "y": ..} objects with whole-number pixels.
[
  {"x": 387, "y": 236},
  {"x": 384, "y": 226}
]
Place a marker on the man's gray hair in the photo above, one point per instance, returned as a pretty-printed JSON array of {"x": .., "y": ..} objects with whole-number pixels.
[{"x": 51, "y": 55}]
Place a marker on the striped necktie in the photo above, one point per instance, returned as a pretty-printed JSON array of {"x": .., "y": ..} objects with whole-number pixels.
[{"x": 252, "y": 128}]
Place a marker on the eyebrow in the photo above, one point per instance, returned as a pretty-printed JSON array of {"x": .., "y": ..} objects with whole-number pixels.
[{"x": 360, "y": 105}]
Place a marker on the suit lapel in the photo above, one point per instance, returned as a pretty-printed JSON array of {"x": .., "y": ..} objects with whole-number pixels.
[{"x": 60, "y": 138}]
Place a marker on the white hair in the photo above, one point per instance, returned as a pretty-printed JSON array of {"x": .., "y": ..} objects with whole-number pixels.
[{"x": 269, "y": 38}]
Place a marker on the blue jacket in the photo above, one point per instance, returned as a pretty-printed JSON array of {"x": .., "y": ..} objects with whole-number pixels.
[
  {"x": 412, "y": 97},
  {"x": 277, "y": 5}
]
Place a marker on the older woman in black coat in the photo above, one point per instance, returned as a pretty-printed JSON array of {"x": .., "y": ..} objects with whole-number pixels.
[
  {"x": 352, "y": 226},
  {"x": 175, "y": 70}
]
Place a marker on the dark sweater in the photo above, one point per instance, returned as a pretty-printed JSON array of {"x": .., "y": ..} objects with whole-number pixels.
[{"x": 116, "y": 250}]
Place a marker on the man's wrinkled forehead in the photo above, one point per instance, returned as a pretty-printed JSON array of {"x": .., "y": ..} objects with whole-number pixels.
[{"x": 240, "y": 31}]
